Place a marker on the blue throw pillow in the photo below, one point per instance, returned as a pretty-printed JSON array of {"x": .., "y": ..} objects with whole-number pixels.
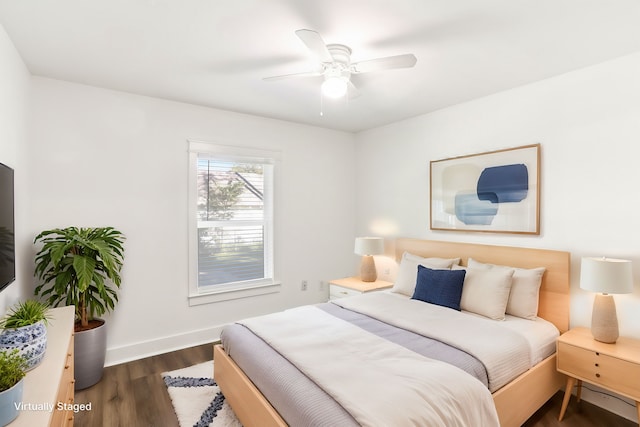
[{"x": 441, "y": 287}]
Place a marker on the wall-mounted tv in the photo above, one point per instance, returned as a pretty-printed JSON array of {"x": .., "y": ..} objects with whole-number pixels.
[{"x": 7, "y": 228}]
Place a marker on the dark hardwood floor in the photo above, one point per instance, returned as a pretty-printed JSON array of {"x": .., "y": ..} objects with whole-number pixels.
[{"x": 134, "y": 395}]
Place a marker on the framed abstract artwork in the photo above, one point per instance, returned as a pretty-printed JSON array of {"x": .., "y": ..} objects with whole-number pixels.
[{"x": 497, "y": 191}]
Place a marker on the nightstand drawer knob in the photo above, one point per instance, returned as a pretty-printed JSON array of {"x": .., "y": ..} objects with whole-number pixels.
[
  {"x": 598, "y": 375},
  {"x": 597, "y": 364},
  {"x": 597, "y": 354}
]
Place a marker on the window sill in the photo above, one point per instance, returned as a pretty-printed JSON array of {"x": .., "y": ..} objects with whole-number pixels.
[{"x": 234, "y": 293}]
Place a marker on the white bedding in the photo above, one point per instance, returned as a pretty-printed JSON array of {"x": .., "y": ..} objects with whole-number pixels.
[
  {"x": 539, "y": 333},
  {"x": 318, "y": 344},
  {"x": 344, "y": 359},
  {"x": 504, "y": 352}
]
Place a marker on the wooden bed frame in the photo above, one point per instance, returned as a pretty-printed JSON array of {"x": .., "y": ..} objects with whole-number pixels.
[{"x": 515, "y": 402}]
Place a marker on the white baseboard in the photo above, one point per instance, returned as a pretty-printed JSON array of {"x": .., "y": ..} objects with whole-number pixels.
[
  {"x": 606, "y": 400},
  {"x": 161, "y": 345}
]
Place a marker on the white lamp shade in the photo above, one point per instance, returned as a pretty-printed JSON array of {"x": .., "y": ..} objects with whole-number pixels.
[
  {"x": 369, "y": 246},
  {"x": 606, "y": 275}
]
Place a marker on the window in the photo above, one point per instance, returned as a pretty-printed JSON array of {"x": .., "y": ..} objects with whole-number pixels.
[{"x": 231, "y": 218}]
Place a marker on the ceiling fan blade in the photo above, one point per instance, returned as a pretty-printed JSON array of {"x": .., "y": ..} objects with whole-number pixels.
[
  {"x": 353, "y": 91},
  {"x": 314, "y": 42},
  {"x": 294, "y": 75},
  {"x": 389, "y": 62}
]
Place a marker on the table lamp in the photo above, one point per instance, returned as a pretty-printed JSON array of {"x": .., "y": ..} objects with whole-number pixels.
[
  {"x": 605, "y": 276},
  {"x": 367, "y": 247}
]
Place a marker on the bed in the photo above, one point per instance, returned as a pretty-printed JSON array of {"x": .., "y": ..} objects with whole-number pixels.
[{"x": 514, "y": 401}]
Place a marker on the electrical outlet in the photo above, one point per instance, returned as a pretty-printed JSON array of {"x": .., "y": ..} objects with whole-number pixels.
[
  {"x": 322, "y": 285},
  {"x": 386, "y": 271},
  {"x": 303, "y": 285}
]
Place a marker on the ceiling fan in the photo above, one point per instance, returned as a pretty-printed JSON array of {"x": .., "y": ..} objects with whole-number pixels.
[{"x": 336, "y": 66}]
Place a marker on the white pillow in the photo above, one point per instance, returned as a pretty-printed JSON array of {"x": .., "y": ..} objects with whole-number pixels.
[
  {"x": 486, "y": 291},
  {"x": 408, "y": 271},
  {"x": 525, "y": 289}
]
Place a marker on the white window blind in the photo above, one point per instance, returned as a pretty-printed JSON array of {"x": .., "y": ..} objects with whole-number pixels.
[{"x": 234, "y": 216}]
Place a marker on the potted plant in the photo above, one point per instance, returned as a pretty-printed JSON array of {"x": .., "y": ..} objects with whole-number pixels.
[
  {"x": 81, "y": 267},
  {"x": 12, "y": 371},
  {"x": 24, "y": 329}
]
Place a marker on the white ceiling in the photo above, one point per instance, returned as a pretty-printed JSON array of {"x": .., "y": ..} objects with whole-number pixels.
[{"x": 216, "y": 52}]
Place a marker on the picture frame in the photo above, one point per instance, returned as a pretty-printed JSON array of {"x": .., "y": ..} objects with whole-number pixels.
[{"x": 495, "y": 192}]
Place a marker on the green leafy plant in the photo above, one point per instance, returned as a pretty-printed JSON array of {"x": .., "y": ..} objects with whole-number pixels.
[
  {"x": 78, "y": 267},
  {"x": 25, "y": 313},
  {"x": 12, "y": 369}
]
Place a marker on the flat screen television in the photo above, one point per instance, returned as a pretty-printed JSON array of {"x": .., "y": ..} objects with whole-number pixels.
[{"x": 7, "y": 228}]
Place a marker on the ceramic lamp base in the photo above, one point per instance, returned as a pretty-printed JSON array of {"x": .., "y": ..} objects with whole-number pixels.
[
  {"x": 368, "y": 269},
  {"x": 604, "y": 320}
]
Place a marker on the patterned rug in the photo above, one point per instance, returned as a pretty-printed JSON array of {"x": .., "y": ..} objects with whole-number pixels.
[{"x": 197, "y": 399}]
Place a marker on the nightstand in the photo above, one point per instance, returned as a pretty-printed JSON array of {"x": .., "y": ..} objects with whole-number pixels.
[
  {"x": 340, "y": 288},
  {"x": 614, "y": 367}
]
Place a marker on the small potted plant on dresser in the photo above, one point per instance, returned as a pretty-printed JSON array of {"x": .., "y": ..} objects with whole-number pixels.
[
  {"x": 81, "y": 267},
  {"x": 12, "y": 371},
  {"x": 24, "y": 329}
]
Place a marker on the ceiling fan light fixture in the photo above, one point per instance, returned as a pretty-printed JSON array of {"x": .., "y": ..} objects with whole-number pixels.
[
  {"x": 334, "y": 87},
  {"x": 334, "y": 64}
]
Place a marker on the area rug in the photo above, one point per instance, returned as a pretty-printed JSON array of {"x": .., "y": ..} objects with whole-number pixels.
[{"x": 197, "y": 399}]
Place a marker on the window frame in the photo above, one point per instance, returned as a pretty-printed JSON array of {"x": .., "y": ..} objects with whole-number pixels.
[{"x": 204, "y": 295}]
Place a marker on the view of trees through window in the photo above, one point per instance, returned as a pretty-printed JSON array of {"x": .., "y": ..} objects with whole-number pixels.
[{"x": 231, "y": 224}]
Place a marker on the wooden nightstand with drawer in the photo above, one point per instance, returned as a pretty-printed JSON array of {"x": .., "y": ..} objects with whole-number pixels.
[
  {"x": 340, "y": 288},
  {"x": 614, "y": 367}
]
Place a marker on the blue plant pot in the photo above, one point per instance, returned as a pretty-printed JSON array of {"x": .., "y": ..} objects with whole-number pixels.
[
  {"x": 8, "y": 403},
  {"x": 30, "y": 341}
]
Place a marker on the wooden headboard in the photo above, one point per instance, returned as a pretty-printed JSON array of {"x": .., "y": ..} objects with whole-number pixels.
[{"x": 554, "y": 291}]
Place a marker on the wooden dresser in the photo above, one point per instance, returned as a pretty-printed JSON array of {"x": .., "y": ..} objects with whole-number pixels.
[{"x": 51, "y": 382}]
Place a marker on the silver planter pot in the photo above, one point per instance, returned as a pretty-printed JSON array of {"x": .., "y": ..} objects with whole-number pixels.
[{"x": 90, "y": 348}]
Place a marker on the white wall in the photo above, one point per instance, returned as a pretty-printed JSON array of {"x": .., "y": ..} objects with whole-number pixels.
[
  {"x": 587, "y": 123},
  {"x": 106, "y": 158},
  {"x": 14, "y": 87}
]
